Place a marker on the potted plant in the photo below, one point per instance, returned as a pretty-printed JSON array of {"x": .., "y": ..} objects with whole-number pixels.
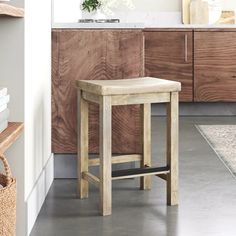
[
  {"x": 91, "y": 5},
  {"x": 100, "y": 9},
  {"x": 91, "y": 9}
]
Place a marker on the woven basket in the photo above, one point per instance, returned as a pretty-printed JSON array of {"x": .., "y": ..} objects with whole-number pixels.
[{"x": 7, "y": 201}]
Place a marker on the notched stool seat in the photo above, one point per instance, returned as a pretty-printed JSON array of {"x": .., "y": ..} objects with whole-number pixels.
[
  {"x": 128, "y": 86},
  {"x": 108, "y": 93}
]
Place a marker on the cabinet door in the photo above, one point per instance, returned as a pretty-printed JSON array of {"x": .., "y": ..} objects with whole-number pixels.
[
  {"x": 80, "y": 55},
  {"x": 169, "y": 55},
  {"x": 124, "y": 59},
  {"x": 90, "y": 55},
  {"x": 215, "y": 66}
]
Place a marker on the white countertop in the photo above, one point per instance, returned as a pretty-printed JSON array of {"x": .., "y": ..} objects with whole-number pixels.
[
  {"x": 97, "y": 25},
  {"x": 191, "y": 26},
  {"x": 132, "y": 26}
]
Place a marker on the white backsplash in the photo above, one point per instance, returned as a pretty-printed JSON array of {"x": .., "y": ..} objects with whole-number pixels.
[
  {"x": 149, "y": 12},
  {"x": 150, "y": 18}
]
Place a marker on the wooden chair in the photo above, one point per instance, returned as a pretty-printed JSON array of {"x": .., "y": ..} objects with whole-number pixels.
[{"x": 108, "y": 93}]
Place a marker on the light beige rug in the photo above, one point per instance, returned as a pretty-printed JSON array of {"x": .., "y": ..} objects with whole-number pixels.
[{"x": 222, "y": 139}]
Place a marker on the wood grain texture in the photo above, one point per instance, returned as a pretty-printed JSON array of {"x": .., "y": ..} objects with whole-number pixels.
[
  {"x": 227, "y": 17},
  {"x": 168, "y": 29},
  {"x": 125, "y": 60},
  {"x": 146, "y": 182},
  {"x": 91, "y": 178},
  {"x": 9, "y": 10},
  {"x": 90, "y": 55},
  {"x": 140, "y": 98},
  {"x": 168, "y": 55},
  {"x": 105, "y": 152},
  {"x": 10, "y": 135},
  {"x": 173, "y": 150},
  {"x": 79, "y": 56},
  {"x": 199, "y": 12},
  {"x": 91, "y": 97},
  {"x": 55, "y": 119},
  {"x": 117, "y": 159},
  {"x": 215, "y": 66},
  {"x": 181, "y": 29},
  {"x": 186, "y": 11},
  {"x": 82, "y": 162},
  {"x": 215, "y": 29},
  {"x": 135, "y": 86}
]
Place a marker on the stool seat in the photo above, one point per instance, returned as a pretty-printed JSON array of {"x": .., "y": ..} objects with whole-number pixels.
[{"x": 129, "y": 86}]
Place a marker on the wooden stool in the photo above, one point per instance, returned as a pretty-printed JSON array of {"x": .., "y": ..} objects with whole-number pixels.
[{"x": 108, "y": 93}]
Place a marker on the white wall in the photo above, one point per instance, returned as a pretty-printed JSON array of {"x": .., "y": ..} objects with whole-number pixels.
[
  {"x": 12, "y": 76},
  {"x": 37, "y": 104},
  {"x": 37, "y": 89},
  {"x": 25, "y": 68},
  {"x": 68, "y": 11}
]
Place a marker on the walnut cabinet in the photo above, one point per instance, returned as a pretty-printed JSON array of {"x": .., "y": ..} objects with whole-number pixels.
[
  {"x": 89, "y": 55},
  {"x": 203, "y": 60}
]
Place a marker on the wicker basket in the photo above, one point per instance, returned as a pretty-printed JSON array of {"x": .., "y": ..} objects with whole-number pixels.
[{"x": 7, "y": 201}]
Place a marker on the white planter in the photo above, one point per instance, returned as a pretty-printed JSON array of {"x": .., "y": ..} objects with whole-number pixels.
[{"x": 95, "y": 15}]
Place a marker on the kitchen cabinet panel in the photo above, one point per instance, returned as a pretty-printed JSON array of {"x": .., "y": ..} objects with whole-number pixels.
[
  {"x": 215, "y": 66},
  {"x": 169, "y": 55},
  {"x": 90, "y": 55}
]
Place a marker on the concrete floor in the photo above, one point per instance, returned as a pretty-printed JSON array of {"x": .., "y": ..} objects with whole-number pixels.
[{"x": 207, "y": 197}]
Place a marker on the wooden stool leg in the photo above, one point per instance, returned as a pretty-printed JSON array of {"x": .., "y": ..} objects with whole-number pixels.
[
  {"x": 173, "y": 149},
  {"x": 82, "y": 145},
  {"x": 105, "y": 136},
  {"x": 145, "y": 182}
]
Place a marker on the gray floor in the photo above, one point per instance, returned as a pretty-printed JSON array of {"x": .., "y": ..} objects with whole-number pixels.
[{"x": 207, "y": 197}]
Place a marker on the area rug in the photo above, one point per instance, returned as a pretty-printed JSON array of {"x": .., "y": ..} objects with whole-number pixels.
[{"x": 222, "y": 139}]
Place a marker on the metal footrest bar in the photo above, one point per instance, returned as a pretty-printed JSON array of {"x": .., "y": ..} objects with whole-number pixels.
[{"x": 139, "y": 172}]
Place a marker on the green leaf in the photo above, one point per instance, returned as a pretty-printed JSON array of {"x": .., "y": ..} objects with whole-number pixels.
[{"x": 91, "y": 5}]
